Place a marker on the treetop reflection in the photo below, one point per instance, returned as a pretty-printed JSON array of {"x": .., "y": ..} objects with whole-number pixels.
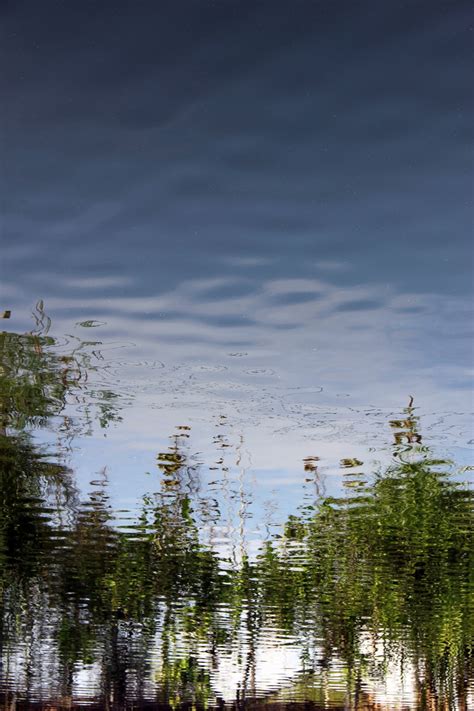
[{"x": 354, "y": 586}]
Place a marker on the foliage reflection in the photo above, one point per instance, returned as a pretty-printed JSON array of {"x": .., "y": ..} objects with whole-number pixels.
[{"x": 358, "y": 584}]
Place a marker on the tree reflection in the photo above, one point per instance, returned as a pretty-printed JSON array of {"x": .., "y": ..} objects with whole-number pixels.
[
  {"x": 387, "y": 569},
  {"x": 38, "y": 378},
  {"x": 380, "y": 575},
  {"x": 390, "y": 567}
]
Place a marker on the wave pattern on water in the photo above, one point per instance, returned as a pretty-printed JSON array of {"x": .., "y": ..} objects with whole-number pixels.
[
  {"x": 236, "y": 436},
  {"x": 199, "y": 595}
]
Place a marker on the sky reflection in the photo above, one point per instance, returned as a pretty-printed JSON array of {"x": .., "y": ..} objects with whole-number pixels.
[
  {"x": 248, "y": 201},
  {"x": 247, "y": 230}
]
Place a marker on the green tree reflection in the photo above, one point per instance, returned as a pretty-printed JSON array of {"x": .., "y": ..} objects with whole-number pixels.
[
  {"x": 37, "y": 379},
  {"x": 382, "y": 574}
]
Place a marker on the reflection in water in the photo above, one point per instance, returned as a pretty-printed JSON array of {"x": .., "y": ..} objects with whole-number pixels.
[
  {"x": 38, "y": 380},
  {"x": 357, "y": 600},
  {"x": 250, "y": 222}
]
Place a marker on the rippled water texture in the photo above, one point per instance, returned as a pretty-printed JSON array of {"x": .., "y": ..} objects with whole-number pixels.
[{"x": 236, "y": 355}]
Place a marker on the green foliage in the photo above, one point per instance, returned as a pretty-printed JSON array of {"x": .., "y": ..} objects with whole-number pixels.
[
  {"x": 36, "y": 381},
  {"x": 395, "y": 562},
  {"x": 392, "y": 561}
]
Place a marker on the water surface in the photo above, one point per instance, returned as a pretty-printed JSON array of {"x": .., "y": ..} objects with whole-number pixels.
[{"x": 236, "y": 400}]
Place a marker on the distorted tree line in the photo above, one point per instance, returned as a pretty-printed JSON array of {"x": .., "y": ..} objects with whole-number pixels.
[{"x": 391, "y": 562}]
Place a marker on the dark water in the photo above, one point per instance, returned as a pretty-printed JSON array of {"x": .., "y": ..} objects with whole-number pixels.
[{"x": 236, "y": 366}]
